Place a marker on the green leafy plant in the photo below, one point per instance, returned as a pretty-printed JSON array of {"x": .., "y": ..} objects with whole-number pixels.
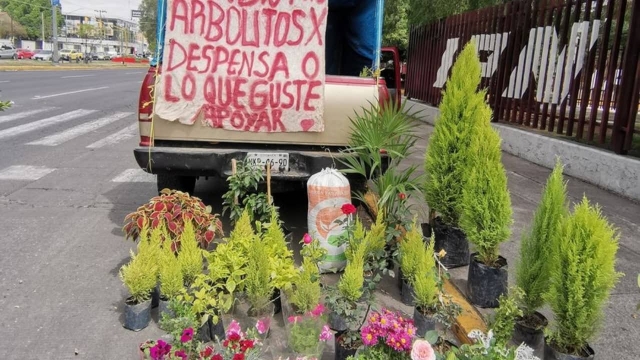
[
  {"x": 140, "y": 277},
  {"x": 282, "y": 266},
  {"x": 171, "y": 279},
  {"x": 581, "y": 278},
  {"x": 425, "y": 281},
  {"x": 258, "y": 284},
  {"x": 190, "y": 256},
  {"x": 446, "y": 158},
  {"x": 4, "y": 105},
  {"x": 307, "y": 332},
  {"x": 411, "y": 250},
  {"x": 243, "y": 193},
  {"x": 172, "y": 210},
  {"x": 486, "y": 205},
  {"x": 306, "y": 291},
  {"x": 205, "y": 300},
  {"x": 227, "y": 267},
  {"x": 537, "y": 244},
  {"x": 505, "y": 317},
  {"x": 179, "y": 317}
]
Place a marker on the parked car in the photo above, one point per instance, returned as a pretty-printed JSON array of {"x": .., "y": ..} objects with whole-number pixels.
[
  {"x": 24, "y": 53},
  {"x": 7, "y": 51},
  {"x": 92, "y": 56},
  {"x": 43, "y": 55},
  {"x": 102, "y": 56},
  {"x": 71, "y": 55}
]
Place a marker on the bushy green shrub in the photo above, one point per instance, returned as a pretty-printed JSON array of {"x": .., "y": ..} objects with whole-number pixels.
[
  {"x": 425, "y": 281},
  {"x": 582, "y": 276},
  {"x": 139, "y": 277},
  {"x": 445, "y": 162},
  {"x": 486, "y": 205},
  {"x": 190, "y": 256},
  {"x": 352, "y": 279},
  {"x": 171, "y": 279},
  {"x": 537, "y": 244},
  {"x": 258, "y": 283},
  {"x": 411, "y": 250}
]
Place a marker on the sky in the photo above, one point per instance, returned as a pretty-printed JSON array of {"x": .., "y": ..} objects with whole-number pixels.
[{"x": 115, "y": 8}]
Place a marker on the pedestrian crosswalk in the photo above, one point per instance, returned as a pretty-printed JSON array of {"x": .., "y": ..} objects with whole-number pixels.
[{"x": 49, "y": 127}]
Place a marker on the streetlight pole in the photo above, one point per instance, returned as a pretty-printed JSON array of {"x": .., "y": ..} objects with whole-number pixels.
[{"x": 54, "y": 25}]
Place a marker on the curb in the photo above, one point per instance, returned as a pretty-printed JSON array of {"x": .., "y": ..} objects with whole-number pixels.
[{"x": 469, "y": 319}]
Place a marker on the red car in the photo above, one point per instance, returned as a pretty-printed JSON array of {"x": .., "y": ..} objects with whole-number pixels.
[{"x": 25, "y": 53}]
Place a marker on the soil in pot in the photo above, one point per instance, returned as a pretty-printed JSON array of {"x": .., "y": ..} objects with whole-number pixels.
[
  {"x": 454, "y": 242},
  {"x": 423, "y": 323},
  {"x": 408, "y": 294},
  {"x": 137, "y": 316},
  {"x": 551, "y": 353},
  {"x": 530, "y": 330},
  {"x": 485, "y": 283},
  {"x": 342, "y": 352}
]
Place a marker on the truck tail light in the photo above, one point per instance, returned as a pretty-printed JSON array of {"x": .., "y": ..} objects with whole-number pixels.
[{"x": 145, "y": 107}]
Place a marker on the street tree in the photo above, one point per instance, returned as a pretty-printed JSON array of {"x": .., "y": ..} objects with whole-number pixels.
[
  {"x": 395, "y": 26},
  {"x": 29, "y": 15},
  {"x": 149, "y": 9},
  {"x": 9, "y": 28}
]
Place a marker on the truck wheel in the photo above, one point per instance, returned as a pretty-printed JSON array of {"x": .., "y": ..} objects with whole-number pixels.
[{"x": 174, "y": 182}]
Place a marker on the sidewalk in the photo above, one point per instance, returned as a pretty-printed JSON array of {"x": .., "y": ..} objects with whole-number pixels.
[{"x": 620, "y": 331}]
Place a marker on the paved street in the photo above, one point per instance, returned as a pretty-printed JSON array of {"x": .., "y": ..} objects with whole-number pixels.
[{"x": 68, "y": 178}]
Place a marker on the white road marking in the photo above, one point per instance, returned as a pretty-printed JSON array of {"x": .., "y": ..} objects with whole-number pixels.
[
  {"x": 4, "y": 81},
  {"x": 134, "y": 175},
  {"x": 115, "y": 138},
  {"x": 68, "y": 93},
  {"x": 75, "y": 76},
  {"x": 74, "y": 132},
  {"x": 24, "y": 172},
  {"x": 21, "y": 129},
  {"x": 20, "y": 115},
  {"x": 134, "y": 73}
]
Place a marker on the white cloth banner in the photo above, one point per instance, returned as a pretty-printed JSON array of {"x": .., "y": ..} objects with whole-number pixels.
[{"x": 244, "y": 65}]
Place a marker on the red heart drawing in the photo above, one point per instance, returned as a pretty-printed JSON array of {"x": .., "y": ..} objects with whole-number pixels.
[{"x": 307, "y": 124}]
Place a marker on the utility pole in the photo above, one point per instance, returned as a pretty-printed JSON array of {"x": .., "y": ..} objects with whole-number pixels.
[
  {"x": 100, "y": 12},
  {"x": 54, "y": 25},
  {"x": 42, "y": 18}
]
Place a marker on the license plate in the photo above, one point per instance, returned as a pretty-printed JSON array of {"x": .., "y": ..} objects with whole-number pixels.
[{"x": 279, "y": 161}]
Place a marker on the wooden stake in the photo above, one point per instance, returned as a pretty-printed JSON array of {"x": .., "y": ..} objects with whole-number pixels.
[
  {"x": 234, "y": 170},
  {"x": 269, "y": 182}
]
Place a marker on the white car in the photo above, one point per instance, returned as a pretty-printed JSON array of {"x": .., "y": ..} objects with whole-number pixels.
[
  {"x": 7, "y": 51},
  {"x": 43, "y": 55}
]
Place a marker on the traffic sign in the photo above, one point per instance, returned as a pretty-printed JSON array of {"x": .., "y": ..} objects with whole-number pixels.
[{"x": 135, "y": 14}]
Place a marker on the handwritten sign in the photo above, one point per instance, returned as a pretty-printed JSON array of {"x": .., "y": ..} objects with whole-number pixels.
[{"x": 244, "y": 65}]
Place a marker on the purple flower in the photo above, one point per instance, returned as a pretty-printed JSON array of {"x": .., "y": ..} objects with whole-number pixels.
[
  {"x": 181, "y": 354},
  {"x": 160, "y": 350},
  {"x": 187, "y": 335},
  {"x": 326, "y": 333}
]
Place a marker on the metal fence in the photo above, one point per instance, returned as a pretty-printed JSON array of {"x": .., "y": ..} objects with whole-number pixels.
[{"x": 566, "y": 66}]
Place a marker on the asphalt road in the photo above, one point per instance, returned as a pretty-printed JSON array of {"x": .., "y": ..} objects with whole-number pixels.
[{"x": 67, "y": 180}]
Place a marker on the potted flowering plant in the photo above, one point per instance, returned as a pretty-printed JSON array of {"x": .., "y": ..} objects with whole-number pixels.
[
  {"x": 172, "y": 209},
  {"x": 306, "y": 291},
  {"x": 238, "y": 344},
  {"x": 387, "y": 335}
]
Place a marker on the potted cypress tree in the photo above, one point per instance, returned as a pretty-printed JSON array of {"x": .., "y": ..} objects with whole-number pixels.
[
  {"x": 258, "y": 283},
  {"x": 445, "y": 160},
  {"x": 411, "y": 250},
  {"x": 171, "y": 280},
  {"x": 536, "y": 248},
  {"x": 425, "y": 286},
  {"x": 140, "y": 277},
  {"x": 582, "y": 277},
  {"x": 486, "y": 216}
]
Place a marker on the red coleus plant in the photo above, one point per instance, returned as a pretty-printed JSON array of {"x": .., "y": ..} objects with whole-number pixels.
[{"x": 172, "y": 209}]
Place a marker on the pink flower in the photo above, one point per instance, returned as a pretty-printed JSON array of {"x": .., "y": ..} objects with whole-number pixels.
[
  {"x": 160, "y": 350},
  {"x": 187, "y": 335},
  {"x": 326, "y": 333},
  {"x": 293, "y": 319},
  {"x": 317, "y": 311},
  {"x": 422, "y": 350},
  {"x": 234, "y": 328},
  {"x": 262, "y": 327},
  {"x": 369, "y": 337},
  {"x": 181, "y": 354},
  {"x": 307, "y": 239}
]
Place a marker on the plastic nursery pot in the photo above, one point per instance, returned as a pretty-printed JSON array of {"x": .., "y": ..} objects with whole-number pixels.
[
  {"x": 204, "y": 332},
  {"x": 163, "y": 307},
  {"x": 485, "y": 283},
  {"x": 336, "y": 322},
  {"x": 530, "y": 330},
  {"x": 426, "y": 230},
  {"x": 137, "y": 316},
  {"x": 342, "y": 353},
  {"x": 276, "y": 299},
  {"x": 408, "y": 294},
  {"x": 423, "y": 323},
  {"x": 155, "y": 297},
  {"x": 453, "y": 241},
  {"x": 217, "y": 330},
  {"x": 264, "y": 315},
  {"x": 551, "y": 353}
]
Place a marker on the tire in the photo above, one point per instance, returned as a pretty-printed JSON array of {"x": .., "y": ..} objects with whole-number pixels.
[
  {"x": 174, "y": 182},
  {"x": 15, "y": 57}
]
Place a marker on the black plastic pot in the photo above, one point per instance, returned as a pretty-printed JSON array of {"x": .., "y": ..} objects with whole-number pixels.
[
  {"x": 341, "y": 352},
  {"x": 454, "y": 242},
  {"x": 163, "y": 308},
  {"x": 137, "y": 316},
  {"x": 485, "y": 284},
  {"x": 550, "y": 353},
  {"x": 530, "y": 331},
  {"x": 155, "y": 297},
  {"x": 204, "y": 332},
  {"x": 426, "y": 230},
  {"x": 423, "y": 323},
  {"x": 276, "y": 299},
  {"x": 408, "y": 294},
  {"x": 336, "y": 322},
  {"x": 217, "y": 330}
]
